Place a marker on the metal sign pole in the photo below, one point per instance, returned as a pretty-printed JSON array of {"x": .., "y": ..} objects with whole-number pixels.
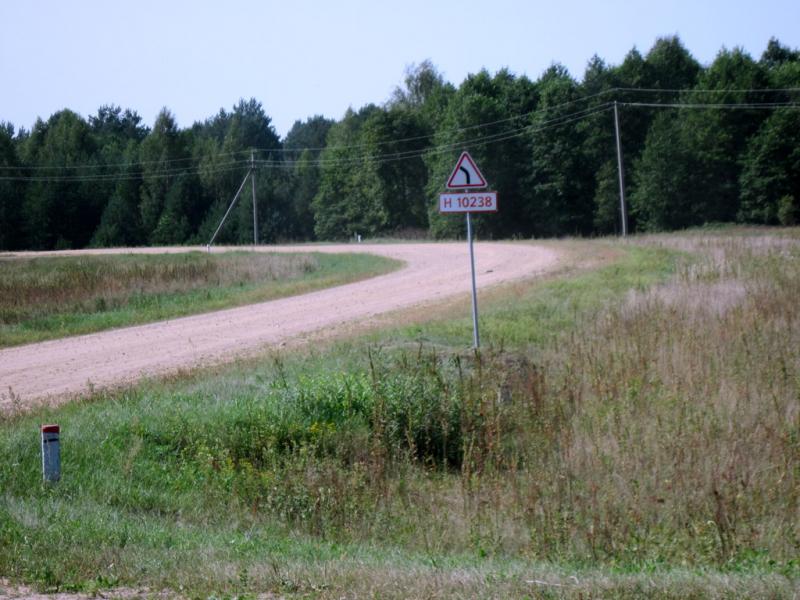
[
  {"x": 476, "y": 341},
  {"x": 467, "y": 177}
]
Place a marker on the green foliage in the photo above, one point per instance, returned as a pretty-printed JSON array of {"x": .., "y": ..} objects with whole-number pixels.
[
  {"x": 63, "y": 213},
  {"x": 665, "y": 195},
  {"x": 690, "y": 169},
  {"x": 305, "y": 141},
  {"x": 308, "y": 135},
  {"x": 607, "y": 219},
  {"x": 305, "y": 188},
  {"x": 776, "y": 55},
  {"x": 771, "y": 170},
  {"x": 717, "y": 140},
  {"x": 670, "y": 66},
  {"x": 160, "y": 151},
  {"x": 249, "y": 127},
  {"x": 546, "y": 146},
  {"x": 484, "y": 105},
  {"x": 10, "y": 191},
  {"x": 638, "y": 447},
  {"x": 45, "y": 298},
  {"x": 348, "y": 200},
  {"x": 400, "y": 184},
  {"x": 425, "y": 92},
  {"x": 562, "y": 199},
  {"x": 121, "y": 222},
  {"x": 788, "y": 211}
]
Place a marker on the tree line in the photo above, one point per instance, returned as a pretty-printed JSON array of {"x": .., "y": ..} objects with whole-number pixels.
[{"x": 701, "y": 144}]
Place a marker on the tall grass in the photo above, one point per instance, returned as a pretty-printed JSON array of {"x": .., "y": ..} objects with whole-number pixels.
[
  {"x": 48, "y": 284},
  {"x": 647, "y": 444},
  {"x": 43, "y": 298}
]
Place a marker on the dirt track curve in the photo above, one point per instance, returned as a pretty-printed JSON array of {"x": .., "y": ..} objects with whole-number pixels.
[{"x": 57, "y": 370}]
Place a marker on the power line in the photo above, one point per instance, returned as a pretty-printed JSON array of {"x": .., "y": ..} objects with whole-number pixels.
[
  {"x": 510, "y": 134},
  {"x": 442, "y": 148},
  {"x": 387, "y": 157},
  {"x": 415, "y": 153},
  {"x": 738, "y": 106},
  {"x": 529, "y": 114},
  {"x": 697, "y": 91},
  {"x": 457, "y": 129},
  {"x": 123, "y": 164},
  {"x": 125, "y": 176},
  {"x": 546, "y": 109},
  {"x": 339, "y": 147}
]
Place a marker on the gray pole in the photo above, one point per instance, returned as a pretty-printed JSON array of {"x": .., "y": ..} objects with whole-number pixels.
[
  {"x": 476, "y": 341},
  {"x": 255, "y": 210},
  {"x": 621, "y": 171}
]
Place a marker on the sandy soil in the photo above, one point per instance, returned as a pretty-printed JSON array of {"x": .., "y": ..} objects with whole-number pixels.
[{"x": 58, "y": 370}]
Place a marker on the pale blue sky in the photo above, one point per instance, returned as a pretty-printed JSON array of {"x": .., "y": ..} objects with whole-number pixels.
[{"x": 311, "y": 57}]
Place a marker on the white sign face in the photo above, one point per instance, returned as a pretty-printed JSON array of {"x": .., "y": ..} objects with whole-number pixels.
[
  {"x": 466, "y": 174},
  {"x": 468, "y": 202}
]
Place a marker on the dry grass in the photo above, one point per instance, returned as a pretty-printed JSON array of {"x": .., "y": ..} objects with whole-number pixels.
[
  {"x": 663, "y": 430},
  {"x": 669, "y": 426},
  {"x": 49, "y": 297},
  {"x": 679, "y": 434},
  {"x": 54, "y": 284},
  {"x": 648, "y": 447}
]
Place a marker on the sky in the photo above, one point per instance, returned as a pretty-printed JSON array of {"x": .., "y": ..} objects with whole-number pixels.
[{"x": 301, "y": 58}]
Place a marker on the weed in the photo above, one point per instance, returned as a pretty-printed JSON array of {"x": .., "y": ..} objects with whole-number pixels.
[
  {"x": 644, "y": 440},
  {"x": 43, "y": 298}
]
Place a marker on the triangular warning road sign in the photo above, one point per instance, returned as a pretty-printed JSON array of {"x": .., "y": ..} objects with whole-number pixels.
[{"x": 466, "y": 174}]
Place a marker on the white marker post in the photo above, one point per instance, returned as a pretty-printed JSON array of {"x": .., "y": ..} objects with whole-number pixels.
[
  {"x": 466, "y": 175},
  {"x": 51, "y": 453}
]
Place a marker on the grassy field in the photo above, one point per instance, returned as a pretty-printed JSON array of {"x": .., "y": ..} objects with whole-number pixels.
[
  {"x": 46, "y": 298},
  {"x": 630, "y": 430}
]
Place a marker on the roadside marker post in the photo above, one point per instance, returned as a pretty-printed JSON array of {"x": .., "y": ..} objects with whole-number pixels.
[
  {"x": 51, "y": 453},
  {"x": 467, "y": 176}
]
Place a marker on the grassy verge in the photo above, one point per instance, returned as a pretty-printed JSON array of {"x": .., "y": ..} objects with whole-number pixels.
[
  {"x": 46, "y": 298},
  {"x": 628, "y": 431}
]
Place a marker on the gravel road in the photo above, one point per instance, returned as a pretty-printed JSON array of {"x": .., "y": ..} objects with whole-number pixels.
[{"x": 57, "y": 370}]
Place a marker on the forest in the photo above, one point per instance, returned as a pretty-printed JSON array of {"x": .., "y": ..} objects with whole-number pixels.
[{"x": 701, "y": 144}]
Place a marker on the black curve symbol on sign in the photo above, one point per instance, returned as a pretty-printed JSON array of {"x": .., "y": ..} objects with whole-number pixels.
[{"x": 465, "y": 173}]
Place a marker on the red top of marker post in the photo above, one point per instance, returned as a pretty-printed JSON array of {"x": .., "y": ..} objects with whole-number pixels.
[{"x": 51, "y": 429}]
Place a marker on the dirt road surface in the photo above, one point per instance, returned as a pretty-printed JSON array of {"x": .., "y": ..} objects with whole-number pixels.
[{"x": 58, "y": 370}]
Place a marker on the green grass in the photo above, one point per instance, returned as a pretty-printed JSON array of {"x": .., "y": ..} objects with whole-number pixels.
[
  {"x": 46, "y": 298},
  {"x": 530, "y": 315},
  {"x": 628, "y": 431}
]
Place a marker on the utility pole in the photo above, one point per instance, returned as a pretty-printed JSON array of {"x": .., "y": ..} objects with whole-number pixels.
[
  {"x": 621, "y": 172},
  {"x": 255, "y": 209}
]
